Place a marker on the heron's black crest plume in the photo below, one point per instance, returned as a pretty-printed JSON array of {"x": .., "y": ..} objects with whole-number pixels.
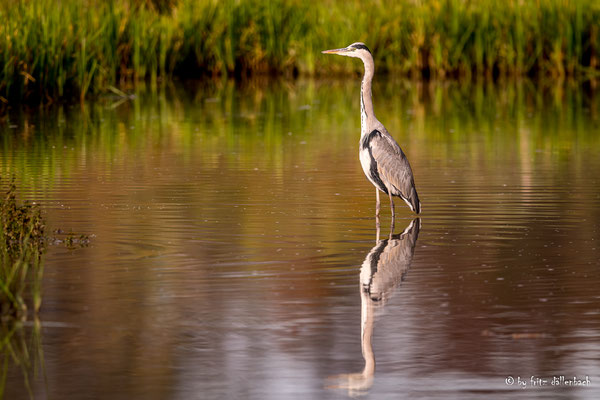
[{"x": 361, "y": 46}]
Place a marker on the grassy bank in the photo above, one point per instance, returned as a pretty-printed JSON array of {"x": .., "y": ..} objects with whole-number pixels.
[{"x": 51, "y": 49}]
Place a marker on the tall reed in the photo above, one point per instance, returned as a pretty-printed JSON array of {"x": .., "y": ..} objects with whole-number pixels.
[{"x": 52, "y": 49}]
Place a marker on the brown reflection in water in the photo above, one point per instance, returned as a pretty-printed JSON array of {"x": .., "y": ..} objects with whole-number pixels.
[{"x": 382, "y": 271}]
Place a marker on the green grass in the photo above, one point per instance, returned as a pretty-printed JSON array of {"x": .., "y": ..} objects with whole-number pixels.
[
  {"x": 22, "y": 244},
  {"x": 72, "y": 48}
]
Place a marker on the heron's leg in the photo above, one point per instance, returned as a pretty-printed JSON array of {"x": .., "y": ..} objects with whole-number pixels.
[
  {"x": 393, "y": 212},
  {"x": 377, "y": 209}
]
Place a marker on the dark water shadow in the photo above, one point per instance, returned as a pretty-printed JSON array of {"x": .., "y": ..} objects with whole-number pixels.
[{"x": 381, "y": 273}]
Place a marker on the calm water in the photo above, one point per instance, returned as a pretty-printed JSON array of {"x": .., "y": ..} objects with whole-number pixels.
[{"x": 233, "y": 248}]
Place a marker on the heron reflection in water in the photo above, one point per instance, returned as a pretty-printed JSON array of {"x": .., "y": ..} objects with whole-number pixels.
[{"x": 382, "y": 271}]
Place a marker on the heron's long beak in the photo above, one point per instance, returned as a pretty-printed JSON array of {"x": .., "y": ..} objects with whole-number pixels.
[{"x": 336, "y": 51}]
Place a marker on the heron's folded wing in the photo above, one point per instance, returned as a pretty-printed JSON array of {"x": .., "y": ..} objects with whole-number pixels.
[{"x": 394, "y": 168}]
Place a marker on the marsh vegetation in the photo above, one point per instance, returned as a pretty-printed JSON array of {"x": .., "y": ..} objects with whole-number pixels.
[
  {"x": 22, "y": 244},
  {"x": 72, "y": 48}
]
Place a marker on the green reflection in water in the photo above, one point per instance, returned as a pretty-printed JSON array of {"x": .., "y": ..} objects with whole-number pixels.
[
  {"x": 22, "y": 347},
  {"x": 517, "y": 120},
  {"x": 244, "y": 157}
]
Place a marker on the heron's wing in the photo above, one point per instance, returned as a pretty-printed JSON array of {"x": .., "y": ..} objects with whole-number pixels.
[{"x": 393, "y": 167}]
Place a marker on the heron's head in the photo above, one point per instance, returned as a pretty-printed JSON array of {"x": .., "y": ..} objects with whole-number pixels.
[{"x": 358, "y": 50}]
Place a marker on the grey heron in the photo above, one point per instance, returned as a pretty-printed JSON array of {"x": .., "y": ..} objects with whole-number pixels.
[{"x": 382, "y": 159}]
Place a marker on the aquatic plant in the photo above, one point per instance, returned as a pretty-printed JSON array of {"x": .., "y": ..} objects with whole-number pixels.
[
  {"x": 22, "y": 244},
  {"x": 23, "y": 350},
  {"x": 72, "y": 48}
]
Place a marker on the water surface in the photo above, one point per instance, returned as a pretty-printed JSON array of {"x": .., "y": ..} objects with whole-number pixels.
[{"x": 233, "y": 241}]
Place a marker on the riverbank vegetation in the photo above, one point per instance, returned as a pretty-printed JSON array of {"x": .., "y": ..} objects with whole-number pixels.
[
  {"x": 22, "y": 244},
  {"x": 72, "y": 48}
]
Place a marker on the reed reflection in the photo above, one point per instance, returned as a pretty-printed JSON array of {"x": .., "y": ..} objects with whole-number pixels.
[
  {"x": 382, "y": 271},
  {"x": 21, "y": 349}
]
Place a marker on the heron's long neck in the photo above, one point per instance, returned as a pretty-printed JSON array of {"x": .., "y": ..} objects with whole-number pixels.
[
  {"x": 366, "y": 333},
  {"x": 367, "y": 116}
]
